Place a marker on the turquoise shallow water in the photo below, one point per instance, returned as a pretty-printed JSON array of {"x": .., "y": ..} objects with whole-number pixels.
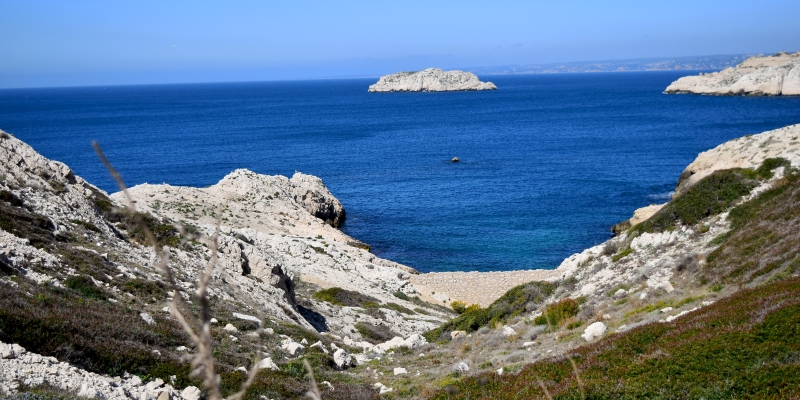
[{"x": 548, "y": 162}]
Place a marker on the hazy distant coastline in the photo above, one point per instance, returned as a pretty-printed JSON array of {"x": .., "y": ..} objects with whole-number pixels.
[{"x": 697, "y": 63}]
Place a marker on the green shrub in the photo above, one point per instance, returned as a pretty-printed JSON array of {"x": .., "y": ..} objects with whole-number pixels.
[
  {"x": 710, "y": 196},
  {"x": 622, "y": 253},
  {"x": 458, "y": 306},
  {"x": 520, "y": 299},
  {"x": 555, "y": 314},
  {"x": 85, "y": 286},
  {"x": 375, "y": 333},
  {"x": 341, "y": 297}
]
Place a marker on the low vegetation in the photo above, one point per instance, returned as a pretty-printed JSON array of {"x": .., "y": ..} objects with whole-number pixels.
[
  {"x": 746, "y": 346},
  {"x": 521, "y": 299},
  {"x": 764, "y": 242}
]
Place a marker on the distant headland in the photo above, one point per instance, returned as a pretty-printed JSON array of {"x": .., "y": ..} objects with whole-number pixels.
[{"x": 777, "y": 75}]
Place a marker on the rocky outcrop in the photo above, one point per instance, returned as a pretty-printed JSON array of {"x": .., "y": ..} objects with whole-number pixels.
[
  {"x": 20, "y": 368},
  {"x": 777, "y": 75},
  {"x": 274, "y": 232},
  {"x": 430, "y": 80},
  {"x": 745, "y": 152},
  {"x": 311, "y": 193}
]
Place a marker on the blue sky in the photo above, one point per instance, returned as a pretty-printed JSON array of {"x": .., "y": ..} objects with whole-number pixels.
[{"x": 69, "y": 43}]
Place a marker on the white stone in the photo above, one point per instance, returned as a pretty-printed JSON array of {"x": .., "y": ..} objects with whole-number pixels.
[
  {"x": 191, "y": 393},
  {"x": 509, "y": 331},
  {"x": 247, "y": 317},
  {"x": 528, "y": 344},
  {"x": 457, "y": 334},
  {"x": 147, "y": 318},
  {"x": 342, "y": 359},
  {"x": 665, "y": 310},
  {"x": 462, "y": 367},
  {"x": 400, "y": 371},
  {"x": 293, "y": 348},
  {"x": 268, "y": 364},
  {"x": 230, "y": 328},
  {"x": 594, "y": 331}
]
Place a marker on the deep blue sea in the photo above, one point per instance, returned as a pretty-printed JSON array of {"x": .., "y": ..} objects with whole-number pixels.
[{"x": 548, "y": 162}]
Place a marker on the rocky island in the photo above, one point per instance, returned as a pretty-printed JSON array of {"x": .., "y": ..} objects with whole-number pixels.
[
  {"x": 430, "y": 80},
  {"x": 777, "y": 75}
]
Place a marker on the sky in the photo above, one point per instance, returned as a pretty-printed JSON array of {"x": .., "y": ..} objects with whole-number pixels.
[{"x": 84, "y": 43}]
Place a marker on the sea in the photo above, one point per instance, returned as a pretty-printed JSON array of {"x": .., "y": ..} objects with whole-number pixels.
[{"x": 548, "y": 163}]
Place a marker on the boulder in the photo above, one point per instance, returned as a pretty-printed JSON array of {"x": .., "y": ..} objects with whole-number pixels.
[
  {"x": 462, "y": 367},
  {"x": 191, "y": 393},
  {"x": 509, "y": 331},
  {"x": 342, "y": 359},
  {"x": 247, "y": 318},
  {"x": 268, "y": 364},
  {"x": 147, "y": 318},
  {"x": 293, "y": 348},
  {"x": 457, "y": 335},
  {"x": 230, "y": 328},
  {"x": 594, "y": 331}
]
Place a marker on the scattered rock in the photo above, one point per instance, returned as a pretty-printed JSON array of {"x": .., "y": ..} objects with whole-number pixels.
[
  {"x": 342, "y": 359},
  {"x": 400, "y": 371},
  {"x": 247, "y": 318},
  {"x": 462, "y": 367},
  {"x": 293, "y": 348},
  {"x": 191, "y": 393},
  {"x": 594, "y": 331},
  {"x": 457, "y": 335},
  {"x": 509, "y": 331},
  {"x": 147, "y": 318},
  {"x": 267, "y": 363},
  {"x": 230, "y": 328}
]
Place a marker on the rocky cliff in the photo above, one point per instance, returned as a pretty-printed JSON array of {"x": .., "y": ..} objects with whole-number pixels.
[
  {"x": 430, "y": 80},
  {"x": 73, "y": 260},
  {"x": 777, "y": 75}
]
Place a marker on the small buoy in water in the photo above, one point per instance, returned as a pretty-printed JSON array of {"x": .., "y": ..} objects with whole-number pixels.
[{"x": 455, "y": 159}]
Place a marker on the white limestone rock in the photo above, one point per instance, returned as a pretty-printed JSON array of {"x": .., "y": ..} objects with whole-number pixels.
[
  {"x": 757, "y": 76},
  {"x": 268, "y": 364},
  {"x": 400, "y": 371},
  {"x": 342, "y": 359},
  {"x": 430, "y": 80},
  {"x": 594, "y": 331}
]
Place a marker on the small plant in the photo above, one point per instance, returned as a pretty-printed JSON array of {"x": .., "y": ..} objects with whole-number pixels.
[
  {"x": 557, "y": 313},
  {"x": 622, "y": 254}
]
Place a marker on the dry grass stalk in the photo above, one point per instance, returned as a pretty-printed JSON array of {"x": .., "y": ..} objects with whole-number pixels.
[{"x": 203, "y": 363}]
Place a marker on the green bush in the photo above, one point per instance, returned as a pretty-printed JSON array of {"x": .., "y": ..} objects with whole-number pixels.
[
  {"x": 710, "y": 196},
  {"x": 85, "y": 286},
  {"x": 555, "y": 314},
  {"x": 516, "y": 301},
  {"x": 341, "y": 297}
]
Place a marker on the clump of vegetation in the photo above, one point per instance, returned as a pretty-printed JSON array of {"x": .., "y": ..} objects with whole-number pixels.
[
  {"x": 710, "y": 196},
  {"x": 85, "y": 287},
  {"x": 460, "y": 307},
  {"x": 165, "y": 232},
  {"x": 622, "y": 254},
  {"x": 523, "y": 298},
  {"x": 557, "y": 313},
  {"x": 345, "y": 298},
  {"x": 764, "y": 241},
  {"x": 744, "y": 346},
  {"x": 375, "y": 333}
]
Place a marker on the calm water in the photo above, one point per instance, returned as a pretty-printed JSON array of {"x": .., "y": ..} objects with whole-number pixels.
[{"x": 549, "y": 162}]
